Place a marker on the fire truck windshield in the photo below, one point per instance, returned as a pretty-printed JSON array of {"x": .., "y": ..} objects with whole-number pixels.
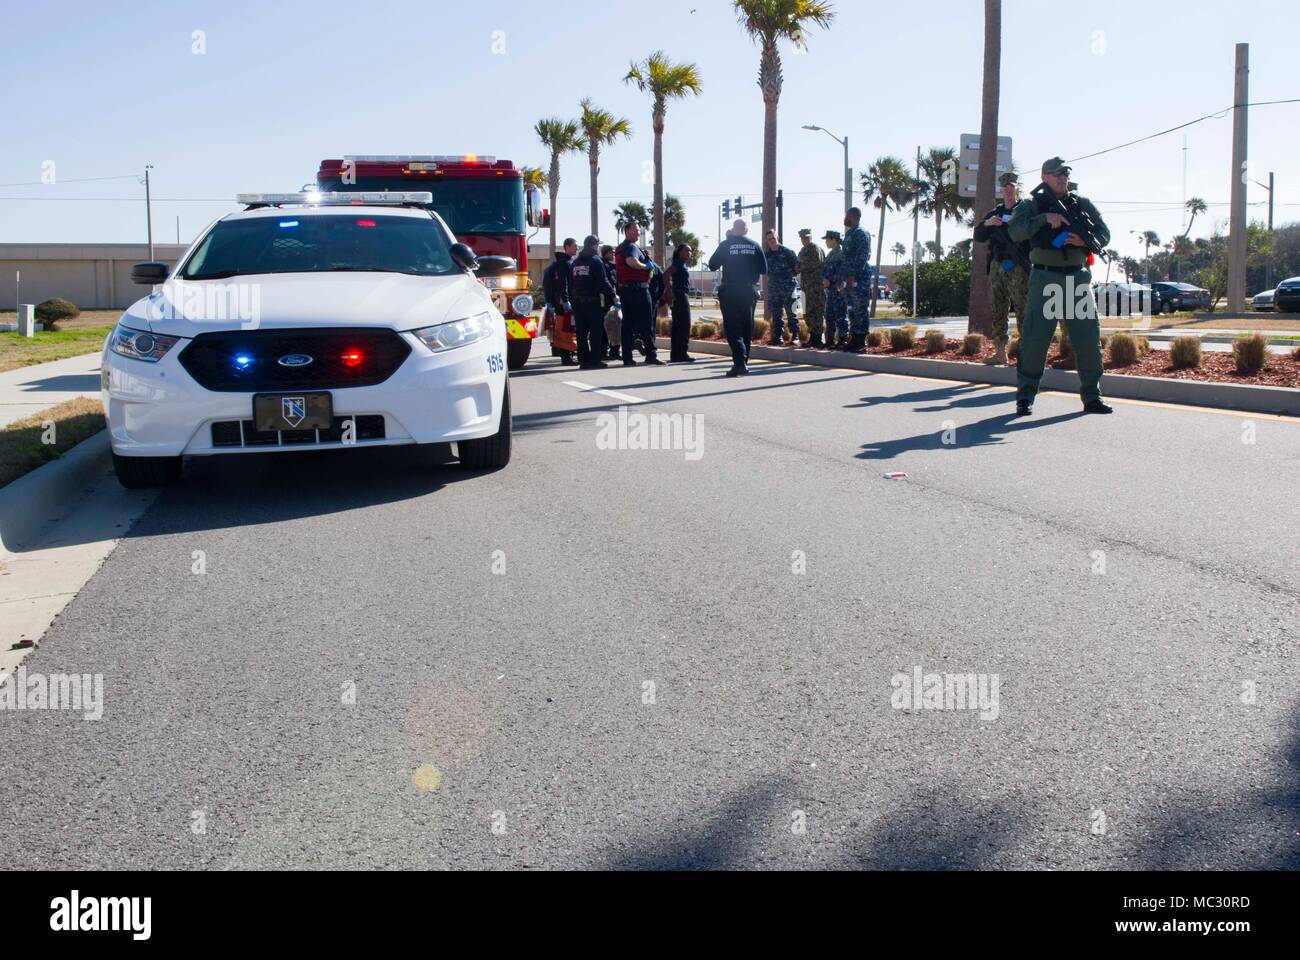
[{"x": 469, "y": 205}]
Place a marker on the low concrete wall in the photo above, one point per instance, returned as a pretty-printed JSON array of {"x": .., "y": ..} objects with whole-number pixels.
[{"x": 94, "y": 276}]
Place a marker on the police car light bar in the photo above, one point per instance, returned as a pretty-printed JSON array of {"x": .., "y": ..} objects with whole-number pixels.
[
  {"x": 420, "y": 158},
  {"x": 338, "y": 198}
]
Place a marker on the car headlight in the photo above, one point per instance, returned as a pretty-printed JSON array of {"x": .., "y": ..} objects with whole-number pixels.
[
  {"x": 522, "y": 304},
  {"x": 140, "y": 344},
  {"x": 456, "y": 333}
]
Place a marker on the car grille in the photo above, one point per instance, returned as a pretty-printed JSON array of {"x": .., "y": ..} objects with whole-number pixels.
[
  {"x": 244, "y": 433},
  {"x": 248, "y": 360}
]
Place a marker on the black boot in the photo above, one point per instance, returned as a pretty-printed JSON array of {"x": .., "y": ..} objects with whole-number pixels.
[
  {"x": 1098, "y": 406},
  {"x": 1024, "y": 406},
  {"x": 857, "y": 344}
]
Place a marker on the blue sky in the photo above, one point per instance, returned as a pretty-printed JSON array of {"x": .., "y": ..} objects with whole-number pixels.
[{"x": 100, "y": 89}]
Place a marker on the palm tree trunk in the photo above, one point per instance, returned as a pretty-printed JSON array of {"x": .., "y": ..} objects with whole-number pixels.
[
  {"x": 880, "y": 249},
  {"x": 554, "y": 185},
  {"x": 659, "y": 187},
  {"x": 981, "y": 307},
  {"x": 938, "y": 235},
  {"x": 769, "y": 184},
  {"x": 593, "y": 157}
]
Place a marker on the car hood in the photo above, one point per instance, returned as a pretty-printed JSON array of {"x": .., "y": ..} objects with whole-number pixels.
[{"x": 187, "y": 308}]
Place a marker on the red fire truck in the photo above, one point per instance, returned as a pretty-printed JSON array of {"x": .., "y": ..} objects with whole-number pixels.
[{"x": 483, "y": 201}]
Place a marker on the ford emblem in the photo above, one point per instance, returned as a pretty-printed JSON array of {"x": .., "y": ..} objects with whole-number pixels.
[{"x": 295, "y": 360}]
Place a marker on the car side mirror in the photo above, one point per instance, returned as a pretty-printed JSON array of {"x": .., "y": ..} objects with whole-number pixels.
[
  {"x": 495, "y": 266},
  {"x": 464, "y": 257},
  {"x": 151, "y": 273}
]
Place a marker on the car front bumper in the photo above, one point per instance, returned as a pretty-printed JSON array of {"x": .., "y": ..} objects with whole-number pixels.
[
  {"x": 158, "y": 409},
  {"x": 1288, "y": 302}
]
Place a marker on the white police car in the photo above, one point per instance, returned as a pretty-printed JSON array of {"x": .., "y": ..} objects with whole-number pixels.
[{"x": 309, "y": 321}]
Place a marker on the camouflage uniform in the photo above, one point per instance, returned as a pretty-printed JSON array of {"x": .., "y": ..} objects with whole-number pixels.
[
  {"x": 1008, "y": 266},
  {"x": 1010, "y": 291},
  {"x": 811, "y": 260},
  {"x": 781, "y": 267},
  {"x": 837, "y": 326},
  {"x": 857, "y": 256}
]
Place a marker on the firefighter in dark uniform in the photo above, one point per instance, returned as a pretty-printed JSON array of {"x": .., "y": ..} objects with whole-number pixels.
[
  {"x": 635, "y": 271},
  {"x": 613, "y": 320},
  {"x": 742, "y": 263},
  {"x": 589, "y": 290},
  {"x": 1060, "y": 286},
  {"x": 555, "y": 288}
]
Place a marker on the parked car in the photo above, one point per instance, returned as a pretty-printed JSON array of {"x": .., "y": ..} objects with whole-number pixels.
[
  {"x": 1286, "y": 299},
  {"x": 1263, "y": 301},
  {"x": 1122, "y": 299},
  {"x": 1168, "y": 297}
]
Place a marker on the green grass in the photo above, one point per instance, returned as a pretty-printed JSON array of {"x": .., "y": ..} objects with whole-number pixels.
[
  {"x": 22, "y": 444},
  {"x": 19, "y": 351}
]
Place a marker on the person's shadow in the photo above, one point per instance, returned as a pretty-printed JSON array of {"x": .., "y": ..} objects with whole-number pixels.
[{"x": 983, "y": 433}]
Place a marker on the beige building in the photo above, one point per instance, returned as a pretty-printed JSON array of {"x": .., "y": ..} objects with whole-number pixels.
[{"x": 94, "y": 276}]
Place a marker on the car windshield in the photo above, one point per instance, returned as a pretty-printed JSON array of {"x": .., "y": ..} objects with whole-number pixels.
[
  {"x": 467, "y": 205},
  {"x": 297, "y": 242}
]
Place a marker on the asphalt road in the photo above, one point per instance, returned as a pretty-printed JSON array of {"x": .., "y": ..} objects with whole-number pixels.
[{"x": 656, "y": 680}]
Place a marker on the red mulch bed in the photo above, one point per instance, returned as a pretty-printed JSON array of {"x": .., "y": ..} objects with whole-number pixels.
[{"x": 1281, "y": 370}]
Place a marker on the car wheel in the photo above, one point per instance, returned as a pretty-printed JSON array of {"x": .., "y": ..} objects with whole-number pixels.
[
  {"x": 1169, "y": 308},
  {"x": 137, "y": 472},
  {"x": 517, "y": 352},
  {"x": 489, "y": 453}
]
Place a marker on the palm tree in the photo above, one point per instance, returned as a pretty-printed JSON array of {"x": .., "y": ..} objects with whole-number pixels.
[
  {"x": 600, "y": 128},
  {"x": 1111, "y": 256},
  {"x": 943, "y": 197},
  {"x": 560, "y": 137},
  {"x": 981, "y": 304},
  {"x": 674, "y": 213},
  {"x": 630, "y": 211},
  {"x": 898, "y": 250},
  {"x": 533, "y": 177},
  {"x": 664, "y": 80},
  {"x": 888, "y": 185},
  {"x": 768, "y": 22},
  {"x": 1194, "y": 206},
  {"x": 1150, "y": 239}
]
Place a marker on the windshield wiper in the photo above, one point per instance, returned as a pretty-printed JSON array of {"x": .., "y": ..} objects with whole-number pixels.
[{"x": 219, "y": 275}]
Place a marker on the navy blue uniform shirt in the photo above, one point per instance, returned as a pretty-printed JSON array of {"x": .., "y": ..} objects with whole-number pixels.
[{"x": 741, "y": 260}]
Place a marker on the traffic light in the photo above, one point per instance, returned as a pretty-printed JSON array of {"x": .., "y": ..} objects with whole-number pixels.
[
  {"x": 726, "y": 208},
  {"x": 739, "y": 207}
]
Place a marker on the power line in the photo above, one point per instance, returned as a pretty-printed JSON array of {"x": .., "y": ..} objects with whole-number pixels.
[
  {"x": 1217, "y": 115},
  {"x": 55, "y": 183}
]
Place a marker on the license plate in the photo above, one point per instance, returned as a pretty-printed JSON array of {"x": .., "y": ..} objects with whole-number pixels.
[
  {"x": 492, "y": 283},
  {"x": 293, "y": 411}
]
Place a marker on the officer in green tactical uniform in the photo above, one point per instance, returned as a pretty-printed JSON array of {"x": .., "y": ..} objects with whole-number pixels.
[
  {"x": 837, "y": 324},
  {"x": 1008, "y": 265},
  {"x": 811, "y": 260},
  {"x": 1060, "y": 285}
]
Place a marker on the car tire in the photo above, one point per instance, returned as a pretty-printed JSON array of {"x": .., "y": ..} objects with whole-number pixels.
[
  {"x": 489, "y": 453},
  {"x": 1169, "y": 308},
  {"x": 135, "y": 473},
  {"x": 517, "y": 352}
]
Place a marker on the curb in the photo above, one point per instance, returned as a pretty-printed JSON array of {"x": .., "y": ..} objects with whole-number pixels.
[
  {"x": 1224, "y": 396},
  {"x": 49, "y": 491}
]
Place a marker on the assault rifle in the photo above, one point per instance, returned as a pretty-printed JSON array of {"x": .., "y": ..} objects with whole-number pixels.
[{"x": 1081, "y": 223}]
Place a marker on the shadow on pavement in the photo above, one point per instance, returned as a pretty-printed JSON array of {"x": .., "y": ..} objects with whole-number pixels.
[
  {"x": 64, "y": 383},
  {"x": 983, "y": 433},
  {"x": 961, "y": 390},
  {"x": 236, "y": 491}
]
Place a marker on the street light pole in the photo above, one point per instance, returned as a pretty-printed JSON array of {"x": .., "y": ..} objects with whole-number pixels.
[
  {"x": 848, "y": 171},
  {"x": 1268, "y": 267},
  {"x": 148, "y": 207}
]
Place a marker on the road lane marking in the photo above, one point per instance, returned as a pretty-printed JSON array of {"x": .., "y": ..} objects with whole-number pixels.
[{"x": 588, "y": 388}]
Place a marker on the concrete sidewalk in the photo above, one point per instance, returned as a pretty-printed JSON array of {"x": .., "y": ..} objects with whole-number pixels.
[{"x": 29, "y": 390}]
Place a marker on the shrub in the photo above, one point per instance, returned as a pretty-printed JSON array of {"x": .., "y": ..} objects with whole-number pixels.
[
  {"x": 942, "y": 287},
  {"x": 902, "y": 338},
  {"x": 1105, "y": 340},
  {"x": 1250, "y": 352},
  {"x": 875, "y": 338},
  {"x": 1013, "y": 348},
  {"x": 1144, "y": 346},
  {"x": 707, "y": 330},
  {"x": 973, "y": 344},
  {"x": 760, "y": 329},
  {"x": 664, "y": 326},
  {"x": 1185, "y": 353},
  {"x": 935, "y": 341},
  {"x": 1123, "y": 350},
  {"x": 51, "y": 311},
  {"x": 1296, "y": 353}
]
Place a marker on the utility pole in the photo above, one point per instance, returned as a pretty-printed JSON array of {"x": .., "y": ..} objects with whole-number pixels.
[
  {"x": 1268, "y": 266},
  {"x": 148, "y": 207},
  {"x": 1237, "y": 223},
  {"x": 848, "y": 178}
]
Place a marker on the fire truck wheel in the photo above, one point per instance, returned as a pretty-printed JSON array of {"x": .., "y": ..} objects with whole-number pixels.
[
  {"x": 517, "y": 352},
  {"x": 489, "y": 453}
]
